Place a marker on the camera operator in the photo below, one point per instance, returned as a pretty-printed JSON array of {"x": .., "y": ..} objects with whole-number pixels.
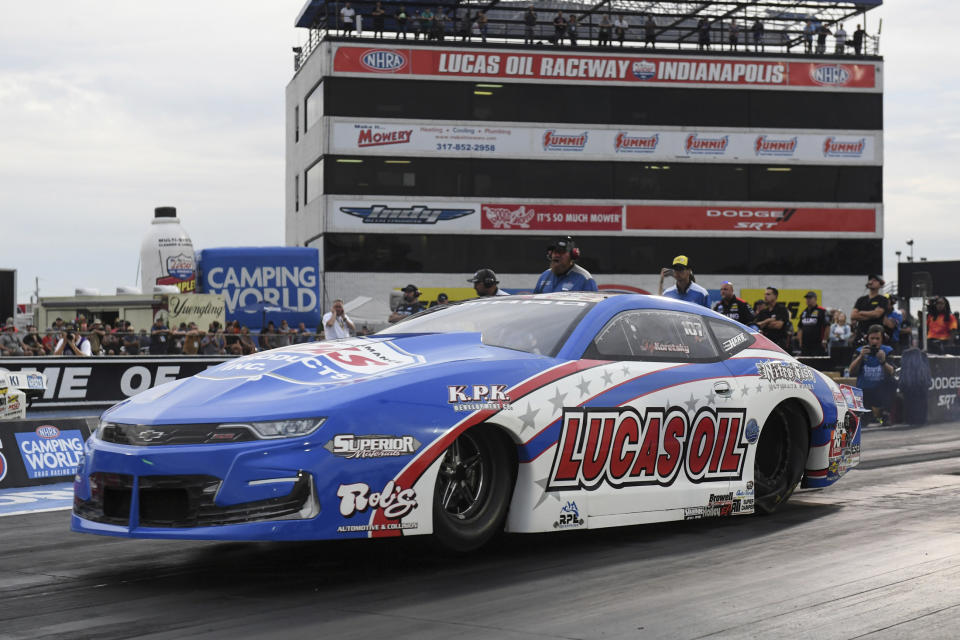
[
  {"x": 874, "y": 373},
  {"x": 72, "y": 343}
]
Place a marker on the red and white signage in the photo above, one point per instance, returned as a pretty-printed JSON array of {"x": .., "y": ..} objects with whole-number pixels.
[
  {"x": 752, "y": 218},
  {"x": 600, "y": 68},
  {"x": 602, "y": 143},
  {"x": 551, "y": 217}
]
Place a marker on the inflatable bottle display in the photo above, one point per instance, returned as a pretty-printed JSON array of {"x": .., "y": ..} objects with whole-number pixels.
[{"x": 166, "y": 254}]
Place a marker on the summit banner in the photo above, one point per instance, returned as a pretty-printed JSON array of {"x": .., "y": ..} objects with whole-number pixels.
[{"x": 825, "y": 75}]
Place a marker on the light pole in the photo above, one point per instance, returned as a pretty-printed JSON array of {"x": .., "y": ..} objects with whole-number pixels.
[{"x": 910, "y": 244}]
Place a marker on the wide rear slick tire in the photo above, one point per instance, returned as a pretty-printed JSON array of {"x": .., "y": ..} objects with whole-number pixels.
[
  {"x": 780, "y": 457},
  {"x": 473, "y": 489}
]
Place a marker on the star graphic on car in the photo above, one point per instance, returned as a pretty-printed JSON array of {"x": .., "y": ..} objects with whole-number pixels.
[
  {"x": 557, "y": 401},
  {"x": 544, "y": 493},
  {"x": 744, "y": 391},
  {"x": 691, "y": 403},
  {"x": 527, "y": 418},
  {"x": 584, "y": 387},
  {"x": 607, "y": 378}
]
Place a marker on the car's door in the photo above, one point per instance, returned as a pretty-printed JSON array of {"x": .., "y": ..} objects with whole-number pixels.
[{"x": 670, "y": 431}]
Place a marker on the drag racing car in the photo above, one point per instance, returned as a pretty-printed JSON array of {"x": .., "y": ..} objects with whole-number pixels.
[{"x": 526, "y": 413}]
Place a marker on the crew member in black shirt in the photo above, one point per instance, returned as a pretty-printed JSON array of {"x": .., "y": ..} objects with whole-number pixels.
[
  {"x": 869, "y": 309},
  {"x": 813, "y": 328},
  {"x": 773, "y": 318},
  {"x": 733, "y": 307}
]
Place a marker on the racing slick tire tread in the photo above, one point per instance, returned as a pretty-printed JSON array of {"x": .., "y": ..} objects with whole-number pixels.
[
  {"x": 780, "y": 457},
  {"x": 486, "y": 520}
]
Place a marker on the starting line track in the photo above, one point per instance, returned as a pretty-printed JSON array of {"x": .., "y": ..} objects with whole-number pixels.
[{"x": 51, "y": 497}]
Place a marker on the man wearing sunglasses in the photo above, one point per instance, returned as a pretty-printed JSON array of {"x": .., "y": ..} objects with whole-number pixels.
[{"x": 686, "y": 288}]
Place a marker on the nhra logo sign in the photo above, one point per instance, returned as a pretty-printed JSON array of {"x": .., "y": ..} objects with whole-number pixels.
[
  {"x": 764, "y": 146},
  {"x": 621, "y": 447},
  {"x": 644, "y": 70},
  {"x": 830, "y": 74},
  {"x": 833, "y": 148},
  {"x": 417, "y": 214},
  {"x": 49, "y": 452},
  {"x": 382, "y": 60},
  {"x": 552, "y": 141},
  {"x": 709, "y": 146},
  {"x": 625, "y": 143}
]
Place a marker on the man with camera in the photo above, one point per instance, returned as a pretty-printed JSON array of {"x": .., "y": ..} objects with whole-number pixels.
[
  {"x": 72, "y": 343},
  {"x": 874, "y": 373},
  {"x": 336, "y": 323}
]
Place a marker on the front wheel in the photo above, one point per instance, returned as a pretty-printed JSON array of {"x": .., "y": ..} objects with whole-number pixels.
[
  {"x": 780, "y": 457},
  {"x": 473, "y": 489}
]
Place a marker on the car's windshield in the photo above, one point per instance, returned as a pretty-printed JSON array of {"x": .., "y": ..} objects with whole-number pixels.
[{"x": 526, "y": 323}]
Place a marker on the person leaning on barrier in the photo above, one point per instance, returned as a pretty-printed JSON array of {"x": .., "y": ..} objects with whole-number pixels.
[
  {"x": 130, "y": 340},
  {"x": 874, "y": 373},
  {"x": 10, "y": 344},
  {"x": 72, "y": 344},
  {"x": 33, "y": 343}
]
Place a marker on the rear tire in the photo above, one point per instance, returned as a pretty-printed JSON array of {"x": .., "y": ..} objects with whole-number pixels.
[
  {"x": 473, "y": 489},
  {"x": 780, "y": 457}
]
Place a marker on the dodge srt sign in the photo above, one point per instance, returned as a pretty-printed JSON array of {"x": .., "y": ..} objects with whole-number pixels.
[{"x": 759, "y": 219}]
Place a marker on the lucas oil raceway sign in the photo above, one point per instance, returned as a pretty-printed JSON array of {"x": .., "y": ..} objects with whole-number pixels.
[{"x": 617, "y": 69}]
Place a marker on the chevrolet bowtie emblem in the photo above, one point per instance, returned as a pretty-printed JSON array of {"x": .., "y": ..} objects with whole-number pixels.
[{"x": 149, "y": 435}]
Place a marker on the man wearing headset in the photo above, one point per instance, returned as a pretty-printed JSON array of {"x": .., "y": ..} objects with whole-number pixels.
[
  {"x": 485, "y": 284},
  {"x": 564, "y": 274}
]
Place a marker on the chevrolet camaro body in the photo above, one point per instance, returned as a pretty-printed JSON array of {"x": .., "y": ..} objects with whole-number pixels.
[{"x": 521, "y": 413}]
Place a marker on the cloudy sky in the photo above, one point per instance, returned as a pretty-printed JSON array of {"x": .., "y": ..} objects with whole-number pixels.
[{"x": 109, "y": 108}]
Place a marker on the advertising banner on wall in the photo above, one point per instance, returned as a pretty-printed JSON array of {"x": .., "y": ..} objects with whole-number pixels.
[
  {"x": 551, "y": 217},
  {"x": 201, "y": 308},
  {"x": 105, "y": 380},
  {"x": 260, "y": 284},
  {"x": 792, "y": 299},
  {"x": 754, "y": 219},
  {"x": 604, "y": 143},
  {"x": 943, "y": 404},
  {"x": 607, "y": 68},
  {"x": 34, "y": 452},
  {"x": 381, "y": 215}
]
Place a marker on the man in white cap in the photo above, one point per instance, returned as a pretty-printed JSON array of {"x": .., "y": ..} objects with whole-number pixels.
[{"x": 686, "y": 288}]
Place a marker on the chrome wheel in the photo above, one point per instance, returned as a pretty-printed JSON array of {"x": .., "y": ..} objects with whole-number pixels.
[{"x": 463, "y": 478}]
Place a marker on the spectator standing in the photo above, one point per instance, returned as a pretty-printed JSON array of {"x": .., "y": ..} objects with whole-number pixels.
[
  {"x": 529, "y": 25},
  {"x": 733, "y": 307},
  {"x": 703, "y": 34},
  {"x": 268, "y": 336},
  {"x": 409, "y": 305},
  {"x": 606, "y": 28},
  {"x": 870, "y": 309},
  {"x": 734, "y": 34},
  {"x": 840, "y": 331},
  {"x": 620, "y": 26},
  {"x": 110, "y": 342},
  {"x": 858, "y": 36},
  {"x": 874, "y": 373},
  {"x": 757, "y": 30},
  {"x": 808, "y": 30},
  {"x": 130, "y": 341},
  {"x": 33, "y": 343},
  {"x": 686, "y": 287},
  {"x": 159, "y": 338},
  {"x": 891, "y": 325},
  {"x": 485, "y": 283},
  {"x": 191, "y": 340},
  {"x": 559, "y": 28},
  {"x": 572, "y": 30},
  {"x": 401, "y": 18},
  {"x": 813, "y": 328},
  {"x": 483, "y": 23},
  {"x": 246, "y": 343},
  {"x": 336, "y": 322},
  {"x": 347, "y": 15},
  {"x": 10, "y": 344},
  {"x": 285, "y": 334},
  {"x": 841, "y": 38},
  {"x": 773, "y": 318},
  {"x": 650, "y": 32},
  {"x": 822, "y": 33},
  {"x": 95, "y": 336},
  {"x": 564, "y": 274},
  {"x": 72, "y": 343},
  {"x": 213, "y": 343},
  {"x": 378, "y": 17},
  {"x": 941, "y": 325}
]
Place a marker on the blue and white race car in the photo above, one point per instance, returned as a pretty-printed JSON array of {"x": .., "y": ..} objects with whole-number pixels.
[{"x": 521, "y": 413}]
